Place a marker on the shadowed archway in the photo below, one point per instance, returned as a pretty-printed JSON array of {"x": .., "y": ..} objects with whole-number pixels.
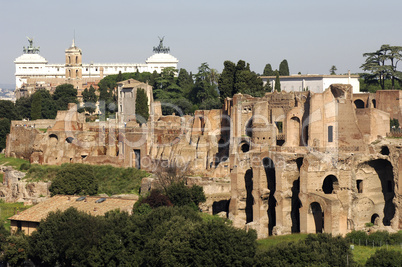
[{"x": 271, "y": 180}]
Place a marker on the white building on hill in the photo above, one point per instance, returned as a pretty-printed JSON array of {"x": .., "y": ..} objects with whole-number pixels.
[
  {"x": 312, "y": 82},
  {"x": 32, "y": 71}
]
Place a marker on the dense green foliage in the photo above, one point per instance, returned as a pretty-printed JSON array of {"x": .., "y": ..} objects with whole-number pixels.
[
  {"x": 316, "y": 250},
  {"x": 385, "y": 258},
  {"x": 4, "y": 130},
  {"x": 166, "y": 236},
  {"x": 141, "y": 106},
  {"x": 284, "y": 68},
  {"x": 89, "y": 98},
  {"x": 277, "y": 83},
  {"x": 182, "y": 195},
  {"x": 382, "y": 66},
  {"x": 268, "y": 70},
  {"x": 377, "y": 238},
  {"x": 239, "y": 79},
  {"x": 332, "y": 70},
  {"x": 74, "y": 179}
]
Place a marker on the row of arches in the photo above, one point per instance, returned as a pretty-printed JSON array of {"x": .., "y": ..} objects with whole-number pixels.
[
  {"x": 360, "y": 103},
  {"x": 330, "y": 185}
]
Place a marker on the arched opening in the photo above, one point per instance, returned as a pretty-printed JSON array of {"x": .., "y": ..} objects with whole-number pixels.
[
  {"x": 248, "y": 179},
  {"x": 244, "y": 146},
  {"x": 330, "y": 184},
  {"x": 53, "y": 136},
  {"x": 76, "y": 59},
  {"x": 296, "y": 204},
  {"x": 374, "y": 103},
  {"x": 220, "y": 206},
  {"x": 318, "y": 215},
  {"x": 76, "y": 73},
  {"x": 337, "y": 93},
  {"x": 223, "y": 151},
  {"x": 293, "y": 132},
  {"x": 385, "y": 173},
  {"x": 359, "y": 103},
  {"x": 69, "y": 73},
  {"x": 69, "y": 140},
  {"x": 271, "y": 180},
  {"x": 69, "y": 60},
  {"x": 384, "y": 150},
  {"x": 375, "y": 219},
  {"x": 249, "y": 128}
]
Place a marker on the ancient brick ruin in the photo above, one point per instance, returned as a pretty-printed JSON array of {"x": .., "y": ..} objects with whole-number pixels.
[{"x": 284, "y": 163}]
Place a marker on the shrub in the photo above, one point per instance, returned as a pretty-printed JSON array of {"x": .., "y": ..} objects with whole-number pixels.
[
  {"x": 74, "y": 179},
  {"x": 386, "y": 258},
  {"x": 355, "y": 236},
  {"x": 379, "y": 237},
  {"x": 395, "y": 238},
  {"x": 181, "y": 195},
  {"x": 25, "y": 166}
]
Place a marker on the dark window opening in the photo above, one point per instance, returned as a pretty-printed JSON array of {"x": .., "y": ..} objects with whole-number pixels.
[
  {"x": 245, "y": 147},
  {"x": 137, "y": 155},
  {"x": 375, "y": 219},
  {"x": 330, "y": 134},
  {"x": 359, "y": 103},
  {"x": 279, "y": 125},
  {"x": 69, "y": 140},
  {"x": 384, "y": 151},
  {"x": 248, "y": 179},
  {"x": 374, "y": 103},
  {"x": 359, "y": 185},
  {"x": 19, "y": 225},
  {"x": 318, "y": 215},
  {"x": 330, "y": 184}
]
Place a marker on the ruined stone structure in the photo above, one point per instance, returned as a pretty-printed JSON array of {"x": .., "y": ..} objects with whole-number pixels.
[{"x": 284, "y": 163}]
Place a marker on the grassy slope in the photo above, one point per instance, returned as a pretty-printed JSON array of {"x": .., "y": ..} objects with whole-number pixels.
[
  {"x": 9, "y": 209},
  {"x": 112, "y": 180}
]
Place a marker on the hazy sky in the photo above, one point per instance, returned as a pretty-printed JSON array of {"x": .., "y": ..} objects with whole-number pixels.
[{"x": 311, "y": 35}]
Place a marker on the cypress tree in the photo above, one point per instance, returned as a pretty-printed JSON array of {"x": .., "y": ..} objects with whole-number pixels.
[
  {"x": 277, "y": 83},
  {"x": 36, "y": 107},
  {"x": 284, "y": 68},
  {"x": 268, "y": 70},
  {"x": 226, "y": 80},
  {"x": 141, "y": 106}
]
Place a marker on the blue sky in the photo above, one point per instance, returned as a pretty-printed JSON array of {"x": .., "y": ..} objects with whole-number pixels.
[{"x": 311, "y": 35}]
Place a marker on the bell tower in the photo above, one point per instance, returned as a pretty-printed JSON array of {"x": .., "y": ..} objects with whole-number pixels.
[{"x": 73, "y": 67}]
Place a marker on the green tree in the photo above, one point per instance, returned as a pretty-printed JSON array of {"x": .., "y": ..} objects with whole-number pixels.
[
  {"x": 15, "y": 249},
  {"x": 332, "y": 70},
  {"x": 90, "y": 98},
  {"x": 247, "y": 81},
  {"x": 205, "y": 86},
  {"x": 226, "y": 80},
  {"x": 382, "y": 65},
  {"x": 23, "y": 107},
  {"x": 385, "y": 258},
  {"x": 284, "y": 68},
  {"x": 8, "y": 110},
  {"x": 268, "y": 70},
  {"x": 141, "y": 106},
  {"x": 119, "y": 77},
  {"x": 66, "y": 239},
  {"x": 36, "y": 107},
  {"x": 181, "y": 195},
  {"x": 63, "y": 95},
  {"x": 74, "y": 179},
  {"x": 4, "y": 130},
  {"x": 277, "y": 83}
]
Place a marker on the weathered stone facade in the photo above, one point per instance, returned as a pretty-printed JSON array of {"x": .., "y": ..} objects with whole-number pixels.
[{"x": 284, "y": 163}]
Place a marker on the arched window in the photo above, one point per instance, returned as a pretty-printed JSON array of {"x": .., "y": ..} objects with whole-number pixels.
[
  {"x": 330, "y": 184},
  {"x": 359, "y": 103}
]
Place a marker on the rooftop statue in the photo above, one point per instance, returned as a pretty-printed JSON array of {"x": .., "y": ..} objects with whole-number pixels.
[
  {"x": 160, "y": 48},
  {"x": 31, "y": 49}
]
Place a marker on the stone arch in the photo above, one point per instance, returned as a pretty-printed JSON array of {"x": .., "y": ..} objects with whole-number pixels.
[
  {"x": 271, "y": 180},
  {"x": 249, "y": 128},
  {"x": 69, "y": 140},
  {"x": 53, "y": 136},
  {"x": 248, "y": 179},
  {"x": 374, "y": 103},
  {"x": 220, "y": 206},
  {"x": 385, "y": 173},
  {"x": 296, "y": 204},
  {"x": 359, "y": 103},
  {"x": 316, "y": 211},
  {"x": 375, "y": 219},
  {"x": 244, "y": 146},
  {"x": 330, "y": 184}
]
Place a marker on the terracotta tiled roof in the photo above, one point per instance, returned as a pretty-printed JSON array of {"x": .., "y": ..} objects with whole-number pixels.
[{"x": 62, "y": 203}]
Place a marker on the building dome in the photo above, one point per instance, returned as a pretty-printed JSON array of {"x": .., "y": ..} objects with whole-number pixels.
[
  {"x": 162, "y": 58},
  {"x": 30, "y": 58}
]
